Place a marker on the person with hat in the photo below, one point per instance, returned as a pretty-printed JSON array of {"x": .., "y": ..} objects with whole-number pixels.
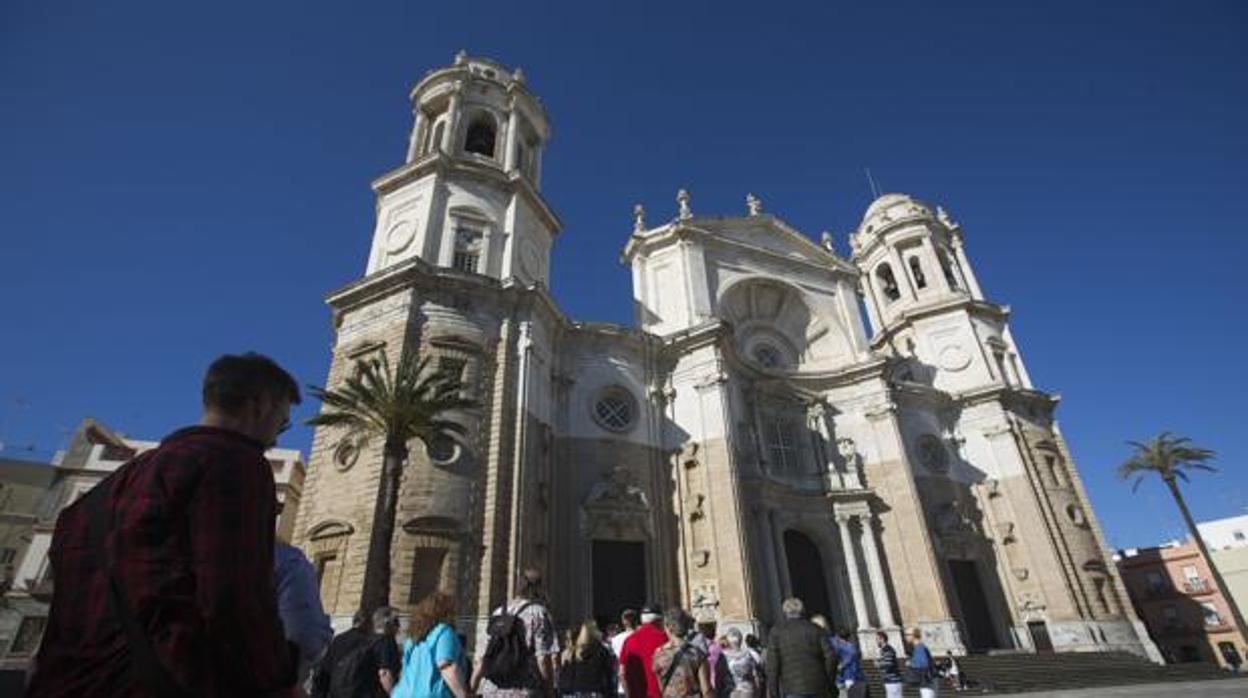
[{"x": 637, "y": 656}]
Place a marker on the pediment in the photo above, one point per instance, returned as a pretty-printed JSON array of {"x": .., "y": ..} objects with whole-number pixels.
[
  {"x": 769, "y": 234},
  {"x": 329, "y": 529}
]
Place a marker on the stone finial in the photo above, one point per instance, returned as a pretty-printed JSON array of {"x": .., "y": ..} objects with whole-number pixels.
[
  {"x": 682, "y": 198},
  {"x": 639, "y": 218},
  {"x": 461, "y": 57},
  {"x": 943, "y": 216},
  {"x": 825, "y": 240},
  {"x": 518, "y": 75},
  {"x": 753, "y": 204}
]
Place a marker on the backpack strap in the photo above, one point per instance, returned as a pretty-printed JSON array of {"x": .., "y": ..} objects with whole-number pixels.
[
  {"x": 671, "y": 669},
  {"x": 147, "y": 666}
]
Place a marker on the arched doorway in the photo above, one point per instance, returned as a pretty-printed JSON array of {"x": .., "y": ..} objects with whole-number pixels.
[{"x": 806, "y": 573}]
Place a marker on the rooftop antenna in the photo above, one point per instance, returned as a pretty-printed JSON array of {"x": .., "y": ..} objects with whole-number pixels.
[{"x": 875, "y": 190}]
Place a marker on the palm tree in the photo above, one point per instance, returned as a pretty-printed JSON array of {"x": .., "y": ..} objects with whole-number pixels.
[
  {"x": 1171, "y": 458},
  {"x": 412, "y": 403}
]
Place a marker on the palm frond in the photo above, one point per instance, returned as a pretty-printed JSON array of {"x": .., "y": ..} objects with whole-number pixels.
[
  {"x": 1167, "y": 456},
  {"x": 410, "y": 402}
]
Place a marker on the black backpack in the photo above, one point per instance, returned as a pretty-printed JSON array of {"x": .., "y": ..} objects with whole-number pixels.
[
  {"x": 355, "y": 674},
  {"x": 508, "y": 658}
]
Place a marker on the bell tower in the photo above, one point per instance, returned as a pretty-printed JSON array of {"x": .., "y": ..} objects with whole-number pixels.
[
  {"x": 468, "y": 195},
  {"x": 925, "y": 303}
]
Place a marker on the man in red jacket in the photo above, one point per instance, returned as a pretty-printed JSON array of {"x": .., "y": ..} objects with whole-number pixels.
[
  {"x": 637, "y": 656},
  {"x": 163, "y": 572}
]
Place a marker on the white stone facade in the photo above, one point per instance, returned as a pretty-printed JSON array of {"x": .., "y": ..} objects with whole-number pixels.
[{"x": 752, "y": 438}]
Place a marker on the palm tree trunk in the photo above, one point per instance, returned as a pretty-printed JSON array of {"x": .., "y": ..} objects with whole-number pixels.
[
  {"x": 1219, "y": 584},
  {"x": 376, "y": 592}
]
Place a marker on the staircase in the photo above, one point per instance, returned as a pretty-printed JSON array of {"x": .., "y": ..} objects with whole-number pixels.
[{"x": 1022, "y": 672}]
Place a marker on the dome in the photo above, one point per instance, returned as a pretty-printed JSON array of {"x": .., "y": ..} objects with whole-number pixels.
[{"x": 893, "y": 208}]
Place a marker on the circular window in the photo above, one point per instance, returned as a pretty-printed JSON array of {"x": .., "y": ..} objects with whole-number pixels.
[
  {"x": 442, "y": 449},
  {"x": 767, "y": 356},
  {"x": 932, "y": 453},
  {"x": 615, "y": 409}
]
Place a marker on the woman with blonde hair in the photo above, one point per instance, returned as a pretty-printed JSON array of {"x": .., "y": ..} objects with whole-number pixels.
[
  {"x": 432, "y": 653},
  {"x": 587, "y": 669}
]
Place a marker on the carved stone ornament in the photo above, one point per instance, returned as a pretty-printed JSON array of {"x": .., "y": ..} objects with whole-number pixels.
[
  {"x": 1021, "y": 573},
  {"x": 682, "y": 200},
  {"x": 346, "y": 453},
  {"x": 1005, "y": 532},
  {"x": 956, "y": 517},
  {"x": 1030, "y": 604},
  {"x": 943, "y": 216},
  {"x": 825, "y": 241},
  {"x": 753, "y": 204},
  {"x": 616, "y": 509},
  {"x": 639, "y": 219},
  {"x": 701, "y": 558},
  {"x": 617, "y": 490},
  {"x": 697, "y": 510},
  {"x": 993, "y": 487},
  {"x": 704, "y": 603}
]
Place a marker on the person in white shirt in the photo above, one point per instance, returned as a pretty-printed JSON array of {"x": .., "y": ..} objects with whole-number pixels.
[{"x": 628, "y": 619}]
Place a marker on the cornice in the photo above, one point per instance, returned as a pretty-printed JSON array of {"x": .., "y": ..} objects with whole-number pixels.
[
  {"x": 441, "y": 162},
  {"x": 995, "y": 311}
]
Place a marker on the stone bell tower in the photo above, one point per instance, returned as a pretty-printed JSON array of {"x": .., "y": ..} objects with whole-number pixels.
[
  {"x": 1022, "y": 559},
  {"x": 467, "y": 197}
]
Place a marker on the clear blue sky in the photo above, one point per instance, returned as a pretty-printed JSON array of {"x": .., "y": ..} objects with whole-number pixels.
[{"x": 180, "y": 180}]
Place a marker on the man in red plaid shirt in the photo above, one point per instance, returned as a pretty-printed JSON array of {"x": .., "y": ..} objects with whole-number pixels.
[{"x": 163, "y": 573}]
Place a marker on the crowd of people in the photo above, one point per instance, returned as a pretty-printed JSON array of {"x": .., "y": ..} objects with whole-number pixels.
[
  {"x": 170, "y": 582},
  {"x": 648, "y": 654}
]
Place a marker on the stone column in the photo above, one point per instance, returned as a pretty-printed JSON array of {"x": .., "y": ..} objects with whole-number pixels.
[
  {"x": 513, "y": 139},
  {"x": 782, "y": 558},
  {"x": 413, "y": 145},
  {"x": 851, "y": 564},
  {"x": 902, "y": 273},
  {"x": 934, "y": 270},
  {"x": 452, "y": 123},
  {"x": 967, "y": 275},
  {"x": 875, "y": 571},
  {"x": 817, "y": 414}
]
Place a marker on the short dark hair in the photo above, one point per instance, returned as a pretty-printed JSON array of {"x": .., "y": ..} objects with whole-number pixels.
[
  {"x": 629, "y": 618},
  {"x": 234, "y": 380},
  {"x": 529, "y": 584}
]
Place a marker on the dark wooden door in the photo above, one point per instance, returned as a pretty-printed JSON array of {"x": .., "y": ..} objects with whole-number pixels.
[
  {"x": 806, "y": 573},
  {"x": 1040, "y": 636},
  {"x": 619, "y": 578},
  {"x": 976, "y": 618}
]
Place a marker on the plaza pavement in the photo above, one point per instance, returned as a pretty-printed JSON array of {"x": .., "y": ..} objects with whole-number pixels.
[{"x": 1218, "y": 688}]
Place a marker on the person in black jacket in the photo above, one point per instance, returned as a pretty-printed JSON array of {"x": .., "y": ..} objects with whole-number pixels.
[
  {"x": 799, "y": 660},
  {"x": 890, "y": 668},
  {"x": 587, "y": 667}
]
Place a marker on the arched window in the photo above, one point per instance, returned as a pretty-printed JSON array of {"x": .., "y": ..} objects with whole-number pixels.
[
  {"x": 888, "y": 282},
  {"x": 480, "y": 138},
  {"x": 916, "y": 270},
  {"x": 782, "y": 445},
  {"x": 467, "y": 249}
]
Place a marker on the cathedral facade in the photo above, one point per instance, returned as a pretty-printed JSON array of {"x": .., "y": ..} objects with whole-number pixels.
[{"x": 752, "y": 437}]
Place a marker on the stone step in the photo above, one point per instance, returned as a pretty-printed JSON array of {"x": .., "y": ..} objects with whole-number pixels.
[{"x": 1018, "y": 672}]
